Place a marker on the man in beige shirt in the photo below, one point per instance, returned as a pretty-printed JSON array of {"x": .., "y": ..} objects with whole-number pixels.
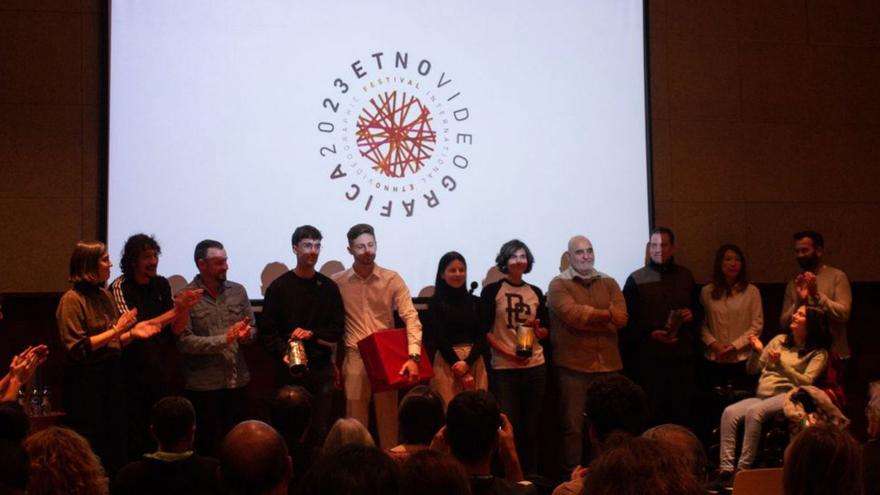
[
  {"x": 371, "y": 294},
  {"x": 586, "y": 311}
]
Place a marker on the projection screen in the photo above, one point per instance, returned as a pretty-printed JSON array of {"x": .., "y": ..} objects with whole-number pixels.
[{"x": 453, "y": 125}]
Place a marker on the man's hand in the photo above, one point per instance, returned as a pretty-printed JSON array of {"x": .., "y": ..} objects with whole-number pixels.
[
  {"x": 239, "y": 330},
  {"x": 663, "y": 337},
  {"x": 411, "y": 370},
  {"x": 302, "y": 334},
  {"x": 811, "y": 283},
  {"x": 145, "y": 330},
  {"x": 505, "y": 435},
  {"x": 728, "y": 354},
  {"x": 460, "y": 368},
  {"x": 687, "y": 315},
  {"x": 757, "y": 345},
  {"x": 619, "y": 317},
  {"x": 801, "y": 288},
  {"x": 126, "y": 320},
  {"x": 187, "y": 298},
  {"x": 26, "y": 363}
]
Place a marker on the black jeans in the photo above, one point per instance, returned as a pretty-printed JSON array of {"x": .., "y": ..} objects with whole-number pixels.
[
  {"x": 217, "y": 411},
  {"x": 520, "y": 395},
  {"x": 94, "y": 400}
]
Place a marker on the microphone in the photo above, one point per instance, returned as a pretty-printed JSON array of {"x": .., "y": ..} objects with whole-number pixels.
[{"x": 474, "y": 286}]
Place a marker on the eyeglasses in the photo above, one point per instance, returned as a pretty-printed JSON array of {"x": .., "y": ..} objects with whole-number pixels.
[{"x": 310, "y": 246}]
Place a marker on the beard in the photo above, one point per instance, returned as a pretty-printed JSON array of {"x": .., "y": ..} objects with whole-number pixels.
[{"x": 809, "y": 263}]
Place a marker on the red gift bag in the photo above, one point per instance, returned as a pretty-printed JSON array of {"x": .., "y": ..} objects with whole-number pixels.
[{"x": 384, "y": 353}]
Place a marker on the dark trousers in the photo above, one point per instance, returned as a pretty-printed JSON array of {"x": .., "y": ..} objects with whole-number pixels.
[
  {"x": 319, "y": 381},
  {"x": 520, "y": 395},
  {"x": 217, "y": 411},
  {"x": 94, "y": 400}
]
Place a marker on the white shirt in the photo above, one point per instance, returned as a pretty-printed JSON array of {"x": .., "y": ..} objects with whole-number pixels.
[
  {"x": 732, "y": 319},
  {"x": 370, "y": 302}
]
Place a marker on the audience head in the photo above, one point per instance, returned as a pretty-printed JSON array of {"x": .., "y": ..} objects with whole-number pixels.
[
  {"x": 514, "y": 254},
  {"x": 254, "y": 460},
  {"x": 638, "y": 466},
  {"x": 89, "y": 263},
  {"x": 810, "y": 324},
  {"x": 809, "y": 247},
  {"x": 451, "y": 273},
  {"x": 140, "y": 256},
  {"x": 347, "y": 431},
  {"x": 729, "y": 273},
  {"x": 420, "y": 416},
  {"x": 580, "y": 254},
  {"x": 823, "y": 460},
  {"x": 173, "y": 424},
  {"x": 210, "y": 257},
  {"x": 430, "y": 472},
  {"x": 684, "y": 447},
  {"x": 63, "y": 462},
  {"x": 352, "y": 470},
  {"x": 472, "y": 422},
  {"x": 661, "y": 248},
  {"x": 615, "y": 404},
  {"x": 291, "y": 413}
]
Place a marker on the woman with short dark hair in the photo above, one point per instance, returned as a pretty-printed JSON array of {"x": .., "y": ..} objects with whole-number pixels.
[
  {"x": 516, "y": 312},
  {"x": 93, "y": 335}
]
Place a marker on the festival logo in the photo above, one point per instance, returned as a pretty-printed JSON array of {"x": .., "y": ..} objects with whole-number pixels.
[{"x": 396, "y": 135}]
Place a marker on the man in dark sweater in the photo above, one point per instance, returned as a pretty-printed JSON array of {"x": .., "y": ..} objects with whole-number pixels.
[
  {"x": 174, "y": 468},
  {"x": 305, "y": 305},
  {"x": 659, "y": 345}
]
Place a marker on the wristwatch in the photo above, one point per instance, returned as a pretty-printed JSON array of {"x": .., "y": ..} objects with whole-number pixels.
[{"x": 415, "y": 357}]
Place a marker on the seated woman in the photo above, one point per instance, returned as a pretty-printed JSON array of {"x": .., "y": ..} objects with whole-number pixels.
[
  {"x": 63, "y": 462},
  {"x": 797, "y": 357}
]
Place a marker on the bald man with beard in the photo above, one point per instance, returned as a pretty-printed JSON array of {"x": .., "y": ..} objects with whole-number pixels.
[
  {"x": 587, "y": 309},
  {"x": 254, "y": 460}
]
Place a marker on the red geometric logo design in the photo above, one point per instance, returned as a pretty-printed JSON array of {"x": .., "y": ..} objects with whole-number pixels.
[{"x": 395, "y": 134}]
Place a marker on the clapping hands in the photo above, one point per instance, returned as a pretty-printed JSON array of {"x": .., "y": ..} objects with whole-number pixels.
[
  {"x": 239, "y": 330},
  {"x": 26, "y": 363}
]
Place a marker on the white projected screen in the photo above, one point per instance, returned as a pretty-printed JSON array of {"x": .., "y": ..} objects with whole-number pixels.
[{"x": 454, "y": 125}]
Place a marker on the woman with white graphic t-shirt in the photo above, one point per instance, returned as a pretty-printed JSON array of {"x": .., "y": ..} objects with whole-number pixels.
[{"x": 515, "y": 311}]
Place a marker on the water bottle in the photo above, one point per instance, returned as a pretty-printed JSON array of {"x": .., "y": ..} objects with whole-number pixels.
[
  {"x": 36, "y": 402},
  {"x": 22, "y": 401},
  {"x": 46, "y": 403}
]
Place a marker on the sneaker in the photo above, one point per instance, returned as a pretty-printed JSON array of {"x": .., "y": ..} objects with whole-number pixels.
[{"x": 722, "y": 482}]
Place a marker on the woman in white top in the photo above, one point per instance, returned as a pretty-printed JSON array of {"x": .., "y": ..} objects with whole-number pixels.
[{"x": 733, "y": 316}]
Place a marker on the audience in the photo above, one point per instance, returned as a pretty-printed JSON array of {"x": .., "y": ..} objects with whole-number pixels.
[
  {"x": 871, "y": 450},
  {"x": 419, "y": 418},
  {"x": 475, "y": 429},
  {"x": 823, "y": 460},
  {"x": 682, "y": 446},
  {"x": 430, "y": 472},
  {"x": 174, "y": 468},
  {"x": 639, "y": 466},
  {"x": 254, "y": 460},
  {"x": 291, "y": 415},
  {"x": 63, "y": 462},
  {"x": 617, "y": 409},
  {"x": 14, "y": 463},
  {"x": 352, "y": 470},
  {"x": 347, "y": 431}
]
